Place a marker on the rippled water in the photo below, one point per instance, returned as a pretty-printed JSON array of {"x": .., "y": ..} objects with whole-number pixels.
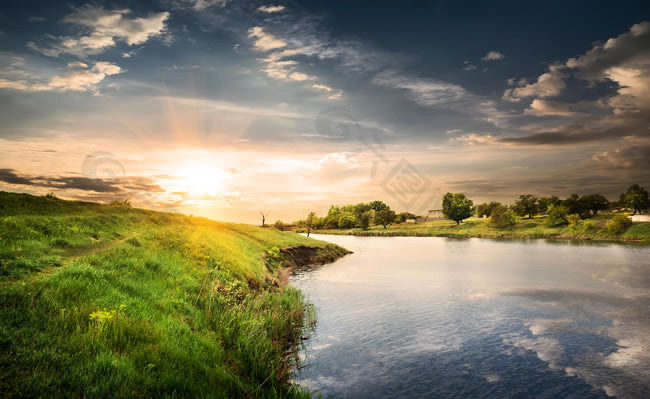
[{"x": 436, "y": 317}]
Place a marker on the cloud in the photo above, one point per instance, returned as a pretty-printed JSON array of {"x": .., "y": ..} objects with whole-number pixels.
[
  {"x": 468, "y": 66},
  {"x": 36, "y": 19},
  {"x": 548, "y": 84},
  {"x": 265, "y": 41},
  {"x": 546, "y": 107},
  {"x": 634, "y": 157},
  {"x": 270, "y": 9},
  {"x": 121, "y": 185},
  {"x": 203, "y": 4},
  {"x": 493, "y": 56},
  {"x": 80, "y": 79},
  {"x": 104, "y": 28}
]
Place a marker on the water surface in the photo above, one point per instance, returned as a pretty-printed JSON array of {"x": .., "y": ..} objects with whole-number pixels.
[{"x": 438, "y": 317}]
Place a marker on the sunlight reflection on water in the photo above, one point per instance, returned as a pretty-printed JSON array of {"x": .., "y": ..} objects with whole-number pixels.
[{"x": 422, "y": 317}]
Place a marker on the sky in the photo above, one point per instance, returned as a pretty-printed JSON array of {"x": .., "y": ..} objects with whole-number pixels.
[{"x": 229, "y": 108}]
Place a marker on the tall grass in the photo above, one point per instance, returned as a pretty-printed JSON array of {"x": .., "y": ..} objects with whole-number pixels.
[{"x": 101, "y": 301}]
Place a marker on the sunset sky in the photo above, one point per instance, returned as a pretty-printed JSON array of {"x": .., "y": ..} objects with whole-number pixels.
[{"x": 225, "y": 108}]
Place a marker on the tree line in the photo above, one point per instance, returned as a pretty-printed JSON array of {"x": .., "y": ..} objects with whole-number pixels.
[{"x": 458, "y": 207}]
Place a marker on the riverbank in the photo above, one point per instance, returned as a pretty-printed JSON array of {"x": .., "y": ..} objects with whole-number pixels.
[
  {"x": 523, "y": 229},
  {"x": 107, "y": 300}
]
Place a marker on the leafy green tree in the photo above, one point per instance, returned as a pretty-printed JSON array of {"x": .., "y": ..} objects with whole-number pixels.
[
  {"x": 378, "y": 206},
  {"x": 527, "y": 205},
  {"x": 573, "y": 204},
  {"x": 279, "y": 225},
  {"x": 364, "y": 220},
  {"x": 619, "y": 224},
  {"x": 574, "y": 221},
  {"x": 346, "y": 222},
  {"x": 545, "y": 202},
  {"x": 384, "y": 217},
  {"x": 486, "y": 209},
  {"x": 592, "y": 204},
  {"x": 457, "y": 207},
  {"x": 636, "y": 197},
  {"x": 310, "y": 221},
  {"x": 501, "y": 217},
  {"x": 556, "y": 214}
]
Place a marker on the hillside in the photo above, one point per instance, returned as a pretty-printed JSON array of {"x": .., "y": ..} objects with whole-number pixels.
[{"x": 106, "y": 300}]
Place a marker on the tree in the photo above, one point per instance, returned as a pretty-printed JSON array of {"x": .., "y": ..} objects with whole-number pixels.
[
  {"x": 346, "y": 222},
  {"x": 556, "y": 214},
  {"x": 501, "y": 217},
  {"x": 378, "y": 206},
  {"x": 309, "y": 222},
  {"x": 364, "y": 220},
  {"x": 384, "y": 217},
  {"x": 593, "y": 203},
  {"x": 573, "y": 204},
  {"x": 486, "y": 209},
  {"x": 527, "y": 205},
  {"x": 264, "y": 215},
  {"x": 636, "y": 197},
  {"x": 279, "y": 225},
  {"x": 545, "y": 202},
  {"x": 457, "y": 207}
]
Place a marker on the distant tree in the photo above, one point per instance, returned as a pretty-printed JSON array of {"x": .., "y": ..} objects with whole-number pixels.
[
  {"x": 575, "y": 222},
  {"x": 544, "y": 203},
  {"x": 125, "y": 203},
  {"x": 573, "y": 204},
  {"x": 346, "y": 222},
  {"x": 457, "y": 207},
  {"x": 264, "y": 215},
  {"x": 364, "y": 220},
  {"x": 527, "y": 206},
  {"x": 501, "y": 217},
  {"x": 556, "y": 214},
  {"x": 51, "y": 196},
  {"x": 619, "y": 224},
  {"x": 384, "y": 217},
  {"x": 592, "y": 204},
  {"x": 636, "y": 197},
  {"x": 378, "y": 206},
  {"x": 486, "y": 209},
  {"x": 309, "y": 222},
  {"x": 279, "y": 225}
]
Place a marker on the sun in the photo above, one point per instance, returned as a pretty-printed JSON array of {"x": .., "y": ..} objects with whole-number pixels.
[{"x": 200, "y": 179}]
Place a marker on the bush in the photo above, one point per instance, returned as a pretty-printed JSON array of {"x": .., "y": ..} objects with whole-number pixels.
[
  {"x": 501, "y": 217},
  {"x": 557, "y": 214},
  {"x": 279, "y": 225},
  {"x": 575, "y": 222},
  {"x": 619, "y": 224},
  {"x": 346, "y": 222}
]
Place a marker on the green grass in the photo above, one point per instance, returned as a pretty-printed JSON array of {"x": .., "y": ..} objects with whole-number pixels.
[
  {"x": 524, "y": 228},
  {"x": 110, "y": 301}
]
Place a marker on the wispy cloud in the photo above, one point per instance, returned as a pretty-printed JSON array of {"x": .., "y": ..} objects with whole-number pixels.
[
  {"x": 493, "y": 56},
  {"x": 270, "y": 9}
]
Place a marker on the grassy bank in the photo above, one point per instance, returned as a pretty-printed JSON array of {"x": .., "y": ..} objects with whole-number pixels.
[
  {"x": 99, "y": 300},
  {"x": 524, "y": 228}
]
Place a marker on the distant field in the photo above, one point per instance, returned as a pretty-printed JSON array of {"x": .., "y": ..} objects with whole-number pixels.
[
  {"x": 524, "y": 228},
  {"x": 110, "y": 301}
]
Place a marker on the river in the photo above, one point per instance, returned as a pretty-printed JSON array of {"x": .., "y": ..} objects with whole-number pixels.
[{"x": 438, "y": 317}]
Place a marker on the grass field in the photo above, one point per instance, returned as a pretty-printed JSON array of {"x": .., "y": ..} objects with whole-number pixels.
[
  {"x": 109, "y": 301},
  {"x": 524, "y": 228}
]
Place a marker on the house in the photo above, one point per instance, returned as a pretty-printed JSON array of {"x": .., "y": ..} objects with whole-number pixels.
[{"x": 435, "y": 214}]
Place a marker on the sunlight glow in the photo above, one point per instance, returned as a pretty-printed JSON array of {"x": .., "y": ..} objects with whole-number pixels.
[{"x": 200, "y": 179}]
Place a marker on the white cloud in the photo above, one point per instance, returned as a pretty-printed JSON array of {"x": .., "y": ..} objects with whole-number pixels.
[
  {"x": 104, "y": 27},
  {"x": 425, "y": 92},
  {"x": 493, "y": 56},
  {"x": 270, "y": 9},
  {"x": 265, "y": 41},
  {"x": 545, "y": 107},
  {"x": 80, "y": 79},
  {"x": 468, "y": 66},
  {"x": 299, "y": 76},
  {"x": 548, "y": 84}
]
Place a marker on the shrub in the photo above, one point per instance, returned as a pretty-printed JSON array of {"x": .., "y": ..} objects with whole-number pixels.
[
  {"x": 279, "y": 225},
  {"x": 575, "y": 222},
  {"x": 346, "y": 222},
  {"x": 619, "y": 224},
  {"x": 557, "y": 214},
  {"x": 501, "y": 217},
  {"x": 589, "y": 225}
]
